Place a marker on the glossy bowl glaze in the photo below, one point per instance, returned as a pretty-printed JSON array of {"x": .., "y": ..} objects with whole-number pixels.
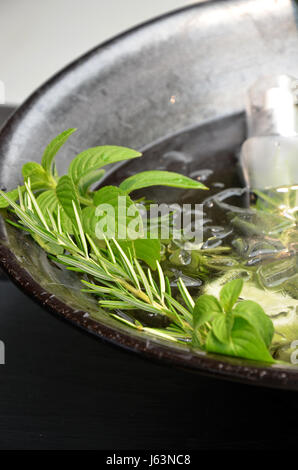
[{"x": 183, "y": 70}]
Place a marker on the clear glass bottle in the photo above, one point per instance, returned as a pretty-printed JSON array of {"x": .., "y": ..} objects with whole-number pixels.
[{"x": 269, "y": 156}]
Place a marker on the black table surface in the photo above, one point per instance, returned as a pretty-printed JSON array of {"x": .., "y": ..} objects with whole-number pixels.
[{"x": 63, "y": 389}]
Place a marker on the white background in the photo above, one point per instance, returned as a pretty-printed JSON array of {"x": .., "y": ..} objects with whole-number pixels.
[{"x": 38, "y": 37}]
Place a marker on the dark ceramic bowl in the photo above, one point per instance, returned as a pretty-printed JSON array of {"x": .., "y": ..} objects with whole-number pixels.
[{"x": 187, "y": 69}]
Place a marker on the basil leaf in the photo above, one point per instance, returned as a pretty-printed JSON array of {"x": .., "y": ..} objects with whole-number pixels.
[
  {"x": 88, "y": 179},
  {"x": 128, "y": 223},
  {"x": 255, "y": 315},
  {"x": 146, "y": 249},
  {"x": 159, "y": 178},
  {"x": 66, "y": 224},
  {"x": 32, "y": 168},
  {"x": 109, "y": 195},
  {"x": 13, "y": 195},
  {"x": 221, "y": 328},
  {"x": 39, "y": 178},
  {"x": 244, "y": 341},
  {"x": 52, "y": 149},
  {"x": 97, "y": 157},
  {"x": 67, "y": 194},
  {"x": 89, "y": 220},
  {"x": 206, "y": 309},
  {"x": 48, "y": 201},
  {"x": 230, "y": 293}
]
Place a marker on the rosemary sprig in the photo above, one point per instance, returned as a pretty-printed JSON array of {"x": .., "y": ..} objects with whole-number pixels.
[
  {"x": 60, "y": 214},
  {"x": 122, "y": 285},
  {"x": 118, "y": 280}
]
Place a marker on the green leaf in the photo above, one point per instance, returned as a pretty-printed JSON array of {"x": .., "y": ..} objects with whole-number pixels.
[
  {"x": 88, "y": 179},
  {"x": 127, "y": 217},
  {"x": 244, "y": 341},
  {"x": 32, "y": 168},
  {"x": 146, "y": 249},
  {"x": 39, "y": 178},
  {"x": 13, "y": 195},
  {"x": 205, "y": 310},
  {"x": 95, "y": 158},
  {"x": 159, "y": 178},
  {"x": 67, "y": 194},
  {"x": 230, "y": 293},
  {"x": 253, "y": 313},
  {"x": 67, "y": 225},
  {"x": 221, "y": 328},
  {"x": 48, "y": 201},
  {"x": 109, "y": 195},
  {"x": 52, "y": 149},
  {"x": 89, "y": 220}
]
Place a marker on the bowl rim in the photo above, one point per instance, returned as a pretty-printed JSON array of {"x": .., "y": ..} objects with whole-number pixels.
[{"x": 276, "y": 376}]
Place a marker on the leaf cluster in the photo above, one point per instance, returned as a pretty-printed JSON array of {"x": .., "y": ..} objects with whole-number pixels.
[
  {"x": 235, "y": 329},
  {"x": 60, "y": 214},
  {"x": 72, "y": 193}
]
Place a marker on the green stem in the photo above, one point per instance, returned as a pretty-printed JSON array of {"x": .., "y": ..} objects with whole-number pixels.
[
  {"x": 85, "y": 201},
  {"x": 145, "y": 298}
]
